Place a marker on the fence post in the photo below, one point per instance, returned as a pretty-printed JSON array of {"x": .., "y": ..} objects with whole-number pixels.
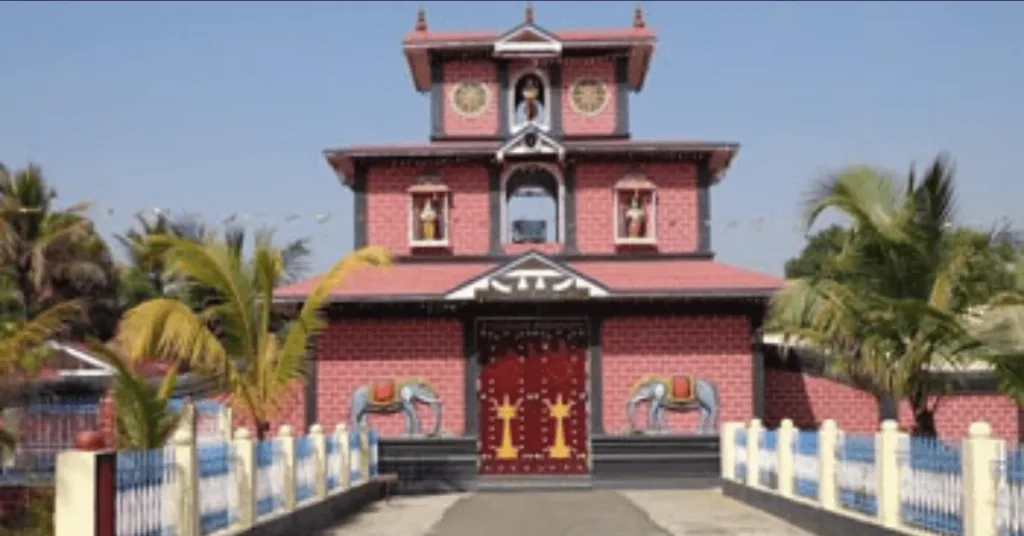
[
  {"x": 245, "y": 455},
  {"x": 316, "y": 435},
  {"x": 345, "y": 471},
  {"x": 373, "y": 439},
  {"x": 787, "y": 433},
  {"x": 364, "y": 453},
  {"x": 86, "y": 493},
  {"x": 286, "y": 442},
  {"x": 980, "y": 458},
  {"x": 828, "y": 438},
  {"x": 754, "y": 452},
  {"x": 186, "y": 470},
  {"x": 727, "y": 449},
  {"x": 887, "y": 467},
  {"x": 224, "y": 422}
]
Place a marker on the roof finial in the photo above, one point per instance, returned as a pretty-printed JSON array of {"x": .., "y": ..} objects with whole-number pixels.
[
  {"x": 421, "y": 20},
  {"x": 638, "y": 16},
  {"x": 529, "y": 13}
]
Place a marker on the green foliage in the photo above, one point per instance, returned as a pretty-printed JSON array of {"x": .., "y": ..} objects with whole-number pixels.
[
  {"x": 889, "y": 306},
  {"x": 230, "y": 333},
  {"x": 144, "y": 419},
  {"x": 819, "y": 255}
]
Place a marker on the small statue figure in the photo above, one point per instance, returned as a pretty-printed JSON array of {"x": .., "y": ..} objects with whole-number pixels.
[
  {"x": 636, "y": 216},
  {"x": 530, "y": 93},
  {"x": 428, "y": 220}
]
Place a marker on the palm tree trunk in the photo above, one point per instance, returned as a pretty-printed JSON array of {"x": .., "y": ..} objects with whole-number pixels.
[
  {"x": 924, "y": 416},
  {"x": 262, "y": 430}
]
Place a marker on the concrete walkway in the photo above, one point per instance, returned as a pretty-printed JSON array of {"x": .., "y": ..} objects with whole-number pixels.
[{"x": 575, "y": 513}]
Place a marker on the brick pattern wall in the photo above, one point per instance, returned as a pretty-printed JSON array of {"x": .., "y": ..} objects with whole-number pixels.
[
  {"x": 353, "y": 352},
  {"x": 485, "y": 123},
  {"x": 955, "y": 414},
  {"x": 716, "y": 348},
  {"x": 387, "y": 207},
  {"x": 291, "y": 411},
  {"x": 676, "y": 218},
  {"x": 808, "y": 400},
  {"x": 602, "y": 122}
]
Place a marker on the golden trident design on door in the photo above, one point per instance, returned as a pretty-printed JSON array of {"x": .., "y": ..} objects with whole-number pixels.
[{"x": 533, "y": 400}]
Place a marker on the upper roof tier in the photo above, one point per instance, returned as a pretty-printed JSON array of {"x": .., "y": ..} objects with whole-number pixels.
[{"x": 528, "y": 40}]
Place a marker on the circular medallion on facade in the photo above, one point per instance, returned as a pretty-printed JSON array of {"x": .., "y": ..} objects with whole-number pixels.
[
  {"x": 470, "y": 98},
  {"x": 589, "y": 96}
]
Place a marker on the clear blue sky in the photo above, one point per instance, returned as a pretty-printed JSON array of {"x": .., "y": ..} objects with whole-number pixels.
[{"x": 216, "y": 108}]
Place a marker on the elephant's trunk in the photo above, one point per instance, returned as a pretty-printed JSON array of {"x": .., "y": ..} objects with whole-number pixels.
[{"x": 631, "y": 412}]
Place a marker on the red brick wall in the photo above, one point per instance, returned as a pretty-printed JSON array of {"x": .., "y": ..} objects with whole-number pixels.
[
  {"x": 352, "y": 352},
  {"x": 387, "y": 207},
  {"x": 292, "y": 412},
  {"x": 809, "y": 400},
  {"x": 676, "y": 205},
  {"x": 713, "y": 347},
  {"x": 485, "y": 123},
  {"x": 955, "y": 413},
  {"x": 602, "y": 122}
]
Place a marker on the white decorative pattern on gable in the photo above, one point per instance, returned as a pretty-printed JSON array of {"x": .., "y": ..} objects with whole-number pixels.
[
  {"x": 527, "y": 40},
  {"x": 531, "y": 276},
  {"x": 531, "y": 141}
]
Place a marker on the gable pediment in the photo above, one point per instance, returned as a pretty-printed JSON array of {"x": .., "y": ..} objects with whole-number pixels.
[
  {"x": 531, "y": 142},
  {"x": 530, "y": 277},
  {"x": 527, "y": 39}
]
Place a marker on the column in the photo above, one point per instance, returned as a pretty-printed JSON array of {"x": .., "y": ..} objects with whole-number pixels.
[
  {"x": 787, "y": 436},
  {"x": 754, "y": 452},
  {"x": 286, "y": 442},
  {"x": 727, "y": 449},
  {"x": 341, "y": 433},
  {"x": 828, "y": 438},
  {"x": 316, "y": 434},
  {"x": 245, "y": 455},
  {"x": 982, "y": 453},
  {"x": 887, "y": 467}
]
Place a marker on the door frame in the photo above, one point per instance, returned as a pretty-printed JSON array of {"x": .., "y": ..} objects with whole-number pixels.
[{"x": 474, "y": 369}]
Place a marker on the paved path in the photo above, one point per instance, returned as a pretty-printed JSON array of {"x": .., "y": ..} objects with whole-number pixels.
[{"x": 574, "y": 513}]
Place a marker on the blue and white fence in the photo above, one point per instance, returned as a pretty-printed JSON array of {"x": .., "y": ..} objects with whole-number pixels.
[
  {"x": 806, "y": 465},
  {"x": 306, "y": 469},
  {"x": 334, "y": 469},
  {"x": 915, "y": 485},
  {"x": 146, "y": 493},
  {"x": 768, "y": 456},
  {"x": 217, "y": 465},
  {"x": 855, "y": 474},
  {"x": 270, "y": 466},
  {"x": 1010, "y": 494}
]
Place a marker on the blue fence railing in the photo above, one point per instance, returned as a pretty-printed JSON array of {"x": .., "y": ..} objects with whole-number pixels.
[
  {"x": 768, "y": 459},
  {"x": 740, "y": 471},
  {"x": 269, "y": 478},
  {"x": 218, "y": 486},
  {"x": 146, "y": 492},
  {"x": 1010, "y": 498},
  {"x": 332, "y": 453},
  {"x": 806, "y": 465},
  {"x": 855, "y": 474},
  {"x": 305, "y": 468},
  {"x": 931, "y": 496}
]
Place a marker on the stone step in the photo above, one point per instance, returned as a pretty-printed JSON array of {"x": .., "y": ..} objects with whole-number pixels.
[{"x": 533, "y": 483}]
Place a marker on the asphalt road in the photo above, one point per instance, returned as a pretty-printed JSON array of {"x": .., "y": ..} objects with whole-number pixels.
[{"x": 571, "y": 513}]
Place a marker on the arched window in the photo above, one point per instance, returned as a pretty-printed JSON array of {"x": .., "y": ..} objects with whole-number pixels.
[
  {"x": 530, "y": 101},
  {"x": 532, "y": 209}
]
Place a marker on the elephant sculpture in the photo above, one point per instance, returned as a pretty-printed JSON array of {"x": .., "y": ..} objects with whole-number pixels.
[
  {"x": 678, "y": 393},
  {"x": 393, "y": 396}
]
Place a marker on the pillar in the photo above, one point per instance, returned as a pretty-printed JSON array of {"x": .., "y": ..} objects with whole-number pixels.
[
  {"x": 887, "y": 468},
  {"x": 787, "y": 436},
  {"x": 828, "y": 438},
  {"x": 981, "y": 454},
  {"x": 754, "y": 453},
  {"x": 316, "y": 434},
  {"x": 286, "y": 443},
  {"x": 245, "y": 454}
]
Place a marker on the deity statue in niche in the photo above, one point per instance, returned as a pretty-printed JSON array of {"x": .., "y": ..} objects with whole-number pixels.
[
  {"x": 636, "y": 217},
  {"x": 529, "y": 99},
  {"x": 428, "y": 220}
]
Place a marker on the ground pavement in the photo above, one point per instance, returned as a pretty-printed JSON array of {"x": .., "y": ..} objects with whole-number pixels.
[{"x": 570, "y": 513}]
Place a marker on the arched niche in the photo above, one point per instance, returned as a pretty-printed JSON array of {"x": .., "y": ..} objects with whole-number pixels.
[
  {"x": 531, "y": 88},
  {"x": 533, "y": 204}
]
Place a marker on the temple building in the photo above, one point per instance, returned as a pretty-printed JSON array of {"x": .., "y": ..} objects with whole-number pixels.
[{"x": 555, "y": 306}]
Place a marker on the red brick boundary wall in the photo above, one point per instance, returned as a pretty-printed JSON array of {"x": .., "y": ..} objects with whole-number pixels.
[
  {"x": 795, "y": 388},
  {"x": 713, "y": 347}
]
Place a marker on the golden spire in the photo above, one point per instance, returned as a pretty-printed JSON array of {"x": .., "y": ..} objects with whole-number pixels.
[
  {"x": 421, "y": 20},
  {"x": 638, "y": 16},
  {"x": 529, "y": 13}
]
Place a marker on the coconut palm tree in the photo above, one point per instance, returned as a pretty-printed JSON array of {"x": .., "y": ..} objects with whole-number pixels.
[
  {"x": 231, "y": 335},
  {"x": 145, "y": 419},
  {"x": 50, "y": 254},
  {"x": 895, "y": 310}
]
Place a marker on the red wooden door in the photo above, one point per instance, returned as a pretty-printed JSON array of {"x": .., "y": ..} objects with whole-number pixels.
[
  {"x": 556, "y": 380},
  {"x": 502, "y": 425},
  {"x": 533, "y": 404}
]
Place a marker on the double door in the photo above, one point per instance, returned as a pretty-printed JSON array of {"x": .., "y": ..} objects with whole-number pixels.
[{"x": 533, "y": 406}]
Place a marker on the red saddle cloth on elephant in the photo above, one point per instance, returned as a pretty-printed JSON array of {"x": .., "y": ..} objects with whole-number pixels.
[
  {"x": 383, "y": 392},
  {"x": 682, "y": 389}
]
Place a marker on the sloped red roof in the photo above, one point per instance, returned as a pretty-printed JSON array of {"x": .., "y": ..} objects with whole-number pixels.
[{"x": 656, "y": 277}]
